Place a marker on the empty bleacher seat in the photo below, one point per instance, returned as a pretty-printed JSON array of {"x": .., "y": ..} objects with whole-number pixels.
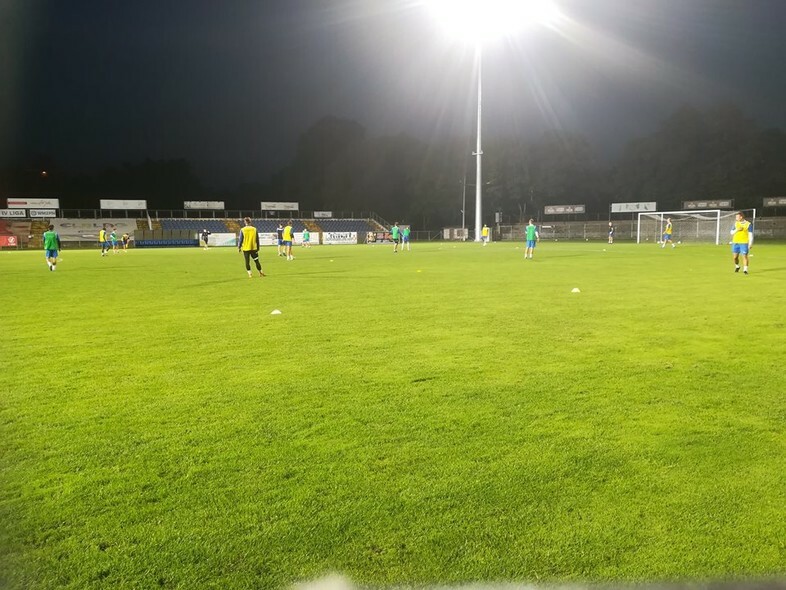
[
  {"x": 345, "y": 225},
  {"x": 211, "y": 225}
]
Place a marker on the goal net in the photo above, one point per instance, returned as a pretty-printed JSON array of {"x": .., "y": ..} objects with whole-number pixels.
[{"x": 709, "y": 226}]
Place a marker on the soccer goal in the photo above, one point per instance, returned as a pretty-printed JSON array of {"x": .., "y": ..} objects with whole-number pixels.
[{"x": 703, "y": 226}]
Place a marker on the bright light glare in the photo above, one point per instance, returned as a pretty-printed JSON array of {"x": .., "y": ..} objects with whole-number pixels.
[{"x": 478, "y": 20}]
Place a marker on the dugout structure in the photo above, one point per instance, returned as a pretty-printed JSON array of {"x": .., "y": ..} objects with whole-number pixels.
[{"x": 708, "y": 226}]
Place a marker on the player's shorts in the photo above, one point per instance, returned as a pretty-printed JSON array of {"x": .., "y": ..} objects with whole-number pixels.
[
  {"x": 51, "y": 253},
  {"x": 280, "y": 242},
  {"x": 250, "y": 255},
  {"x": 531, "y": 243},
  {"x": 287, "y": 242},
  {"x": 666, "y": 237},
  {"x": 739, "y": 249},
  {"x": 105, "y": 244},
  {"x": 484, "y": 238},
  {"x": 406, "y": 239}
]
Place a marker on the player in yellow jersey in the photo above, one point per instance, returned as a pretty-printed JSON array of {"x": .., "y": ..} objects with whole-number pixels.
[
  {"x": 103, "y": 240},
  {"x": 741, "y": 241},
  {"x": 667, "y": 234},
  {"x": 248, "y": 244},
  {"x": 484, "y": 234},
  {"x": 287, "y": 237}
]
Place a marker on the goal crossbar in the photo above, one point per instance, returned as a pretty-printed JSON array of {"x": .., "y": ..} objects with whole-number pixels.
[
  {"x": 711, "y": 216},
  {"x": 702, "y": 225}
]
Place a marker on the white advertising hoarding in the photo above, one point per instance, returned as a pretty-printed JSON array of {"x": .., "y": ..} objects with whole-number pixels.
[
  {"x": 222, "y": 239},
  {"x": 340, "y": 237},
  {"x": 278, "y": 206},
  {"x": 323, "y": 214},
  {"x": 775, "y": 202},
  {"x": 123, "y": 204},
  {"x": 42, "y": 212},
  {"x": 13, "y": 213},
  {"x": 216, "y": 205},
  {"x": 313, "y": 237},
  {"x": 634, "y": 207},
  {"x": 563, "y": 209},
  {"x": 20, "y": 203},
  {"x": 271, "y": 238},
  {"x": 268, "y": 239},
  {"x": 710, "y": 204}
]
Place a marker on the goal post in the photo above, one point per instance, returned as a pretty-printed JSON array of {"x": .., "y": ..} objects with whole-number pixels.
[{"x": 697, "y": 226}]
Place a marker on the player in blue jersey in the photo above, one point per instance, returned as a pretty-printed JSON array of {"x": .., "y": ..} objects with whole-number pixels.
[
  {"x": 113, "y": 239},
  {"x": 280, "y": 239}
]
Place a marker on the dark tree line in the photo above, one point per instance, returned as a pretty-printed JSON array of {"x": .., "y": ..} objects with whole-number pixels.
[{"x": 695, "y": 154}]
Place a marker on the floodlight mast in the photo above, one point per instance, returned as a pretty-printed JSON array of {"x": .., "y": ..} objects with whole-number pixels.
[
  {"x": 480, "y": 20},
  {"x": 479, "y": 150}
]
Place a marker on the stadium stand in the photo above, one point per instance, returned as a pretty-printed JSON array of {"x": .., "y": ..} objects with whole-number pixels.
[
  {"x": 86, "y": 230},
  {"x": 211, "y": 225},
  {"x": 270, "y": 225},
  {"x": 17, "y": 229},
  {"x": 233, "y": 226},
  {"x": 37, "y": 229},
  {"x": 346, "y": 225}
]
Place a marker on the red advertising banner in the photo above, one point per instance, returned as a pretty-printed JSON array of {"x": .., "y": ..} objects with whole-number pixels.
[{"x": 8, "y": 241}]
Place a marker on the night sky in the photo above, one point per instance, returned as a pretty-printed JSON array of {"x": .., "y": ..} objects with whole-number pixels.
[{"x": 231, "y": 85}]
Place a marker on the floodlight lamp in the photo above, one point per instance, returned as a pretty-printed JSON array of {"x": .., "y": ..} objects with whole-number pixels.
[{"x": 479, "y": 20}]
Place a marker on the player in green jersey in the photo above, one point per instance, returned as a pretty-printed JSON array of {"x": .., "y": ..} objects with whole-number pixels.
[
  {"x": 532, "y": 238},
  {"x": 395, "y": 235},
  {"x": 51, "y": 246}
]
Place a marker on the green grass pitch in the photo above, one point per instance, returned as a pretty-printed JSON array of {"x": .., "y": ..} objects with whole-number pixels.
[{"x": 450, "y": 414}]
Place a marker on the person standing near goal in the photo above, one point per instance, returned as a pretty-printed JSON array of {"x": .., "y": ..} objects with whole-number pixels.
[
  {"x": 484, "y": 234},
  {"x": 741, "y": 241},
  {"x": 248, "y": 244},
  {"x": 667, "y": 234},
  {"x": 611, "y": 233}
]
